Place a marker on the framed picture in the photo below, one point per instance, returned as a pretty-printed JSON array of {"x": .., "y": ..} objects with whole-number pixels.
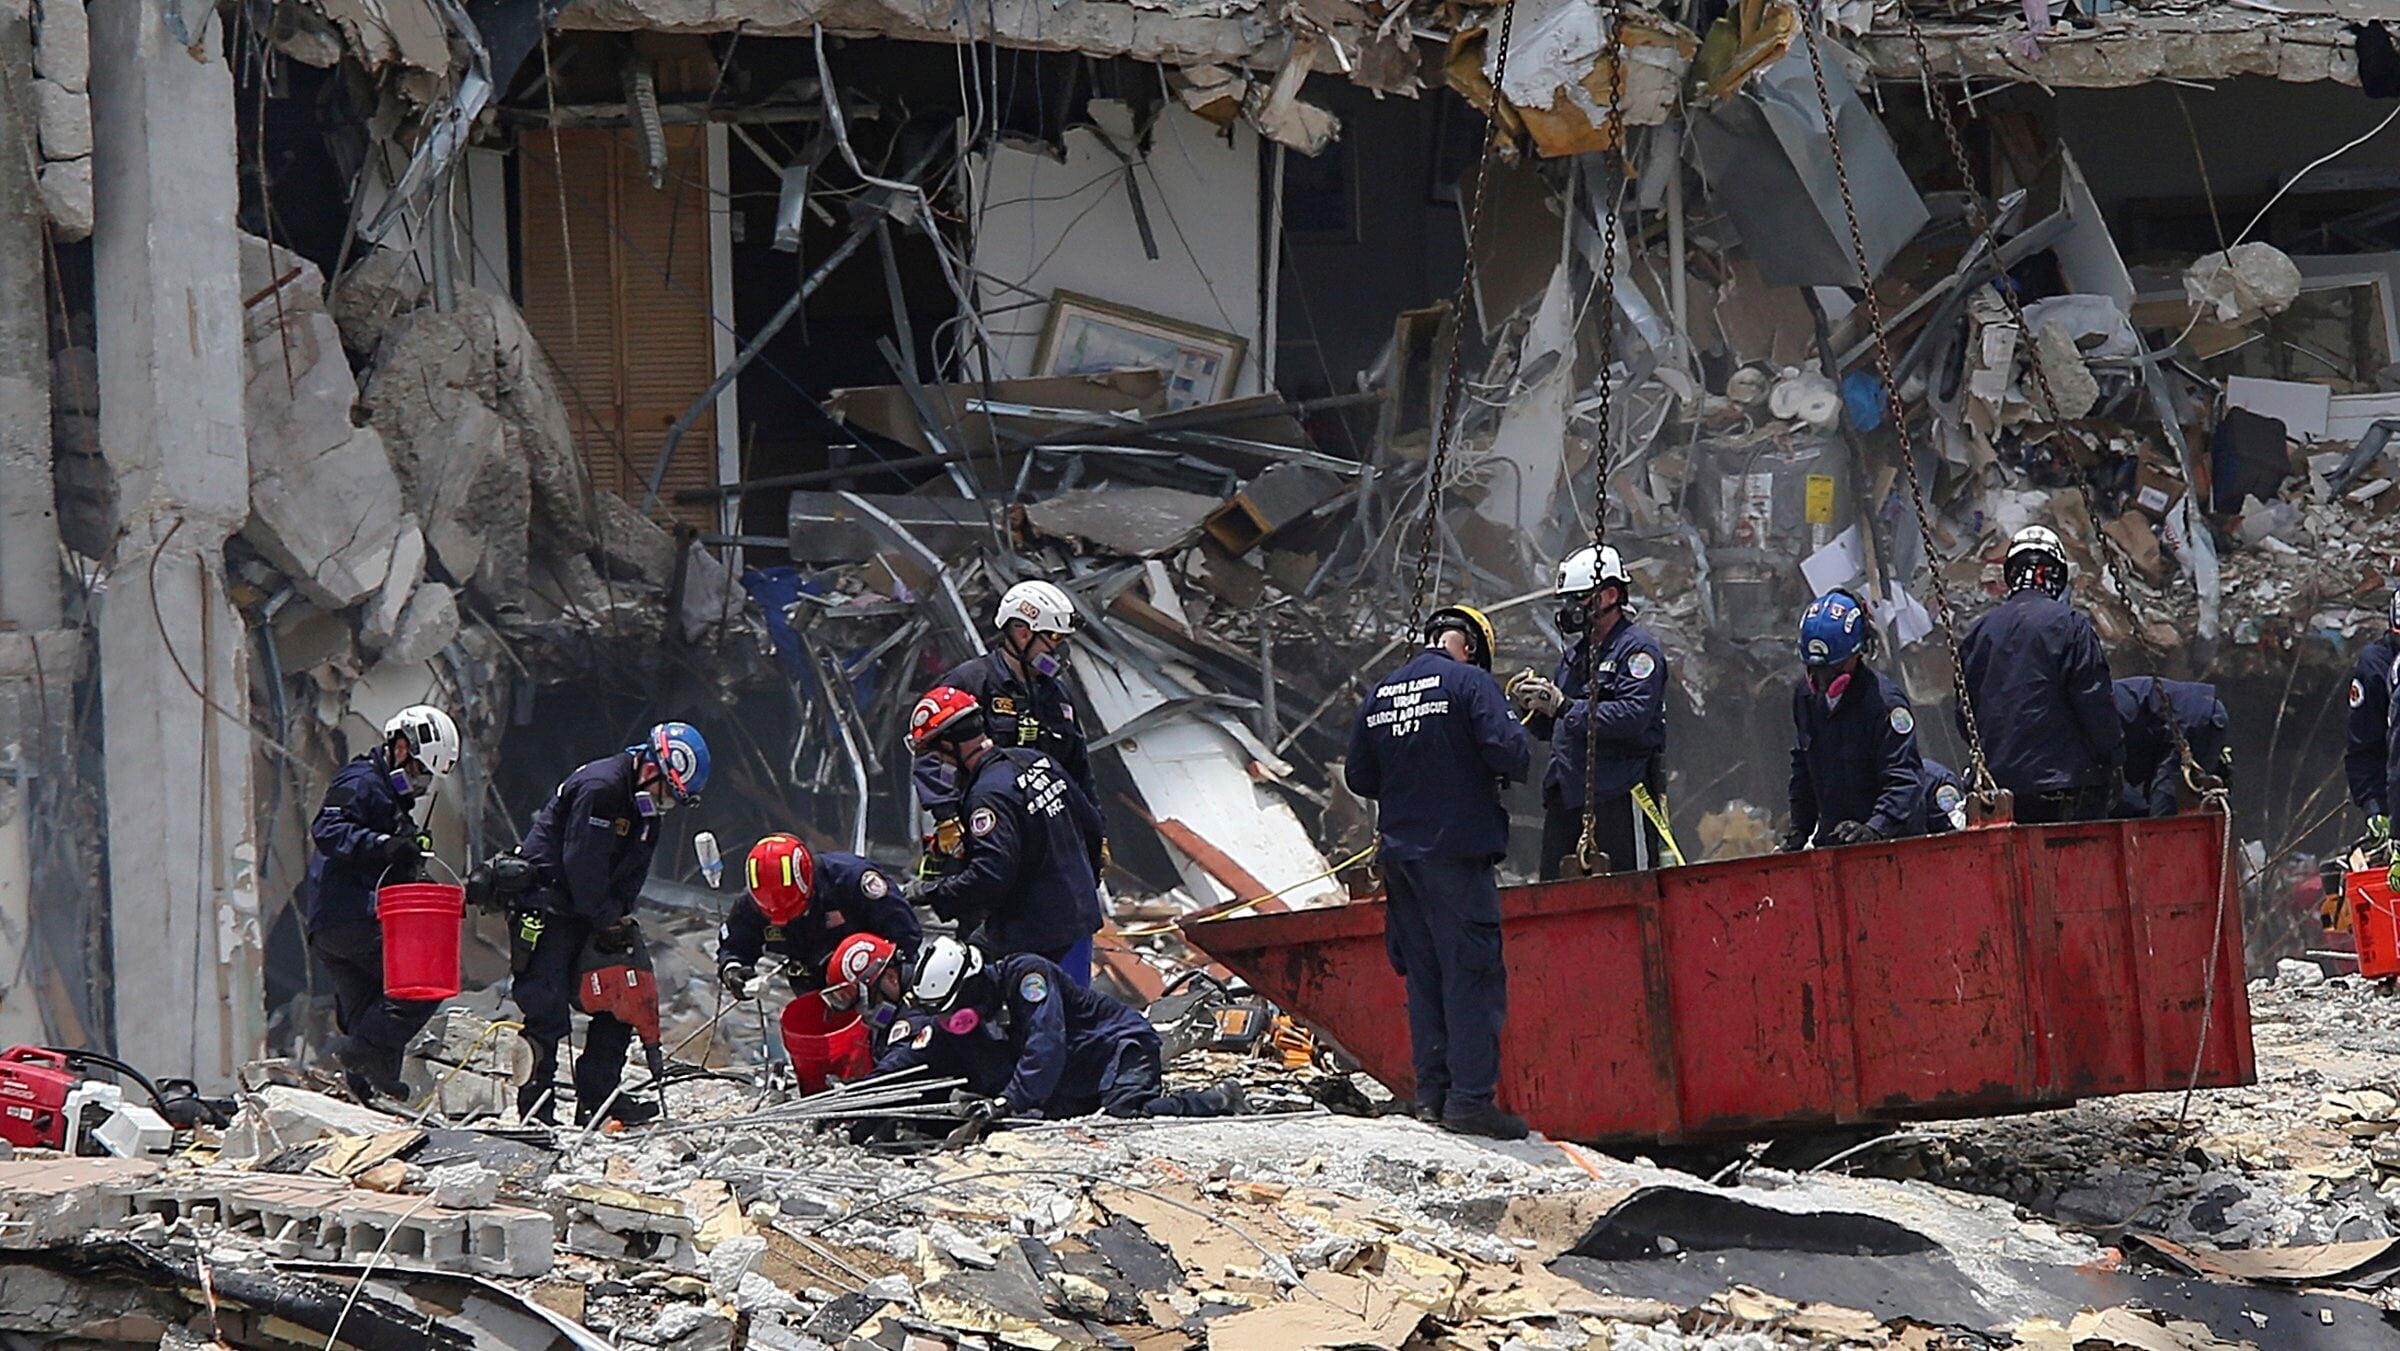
[{"x": 1086, "y": 335}]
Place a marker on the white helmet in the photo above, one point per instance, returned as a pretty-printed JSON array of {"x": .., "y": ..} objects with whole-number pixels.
[
  {"x": 431, "y": 734},
  {"x": 1038, "y": 606},
  {"x": 942, "y": 974},
  {"x": 1588, "y": 569},
  {"x": 2036, "y": 559}
]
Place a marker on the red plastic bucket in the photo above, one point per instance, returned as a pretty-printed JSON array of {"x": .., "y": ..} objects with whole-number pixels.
[
  {"x": 825, "y": 1044},
  {"x": 2374, "y": 922},
  {"x": 421, "y": 923}
]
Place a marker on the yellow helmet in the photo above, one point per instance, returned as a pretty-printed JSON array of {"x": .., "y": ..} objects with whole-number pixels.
[{"x": 1481, "y": 638}]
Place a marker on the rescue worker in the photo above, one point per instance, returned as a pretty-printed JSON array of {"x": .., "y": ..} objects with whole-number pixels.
[
  {"x": 866, "y": 968},
  {"x": 1857, "y": 775},
  {"x": 801, "y": 905},
  {"x": 2153, "y": 765},
  {"x": 2370, "y": 710},
  {"x": 366, "y": 838},
  {"x": 1031, "y": 1044},
  {"x": 2040, "y": 687},
  {"x": 1028, "y": 878},
  {"x": 1432, "y": 745},
  {"x": 1611, "y": 685},
  {"x": 1025, "y": 703},
  {"x": 591, "y": 846},
  {"x": 1945, "y": 798}
]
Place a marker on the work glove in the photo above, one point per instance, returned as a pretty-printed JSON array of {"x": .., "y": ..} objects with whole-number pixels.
[
  {"x": 2379, "y": 829},
  {"x": 1794, "y": 841},
  {"x": 916, "y": 889},
  {"x": 399, "y": 849},
  {"x": 1856, "y": 832},
  {"x": 740, "y": 980},
  {"x": 1541, "y": 696},
  {"x": 617, "y": 937},
  {"x": 986, "y": 1110}
]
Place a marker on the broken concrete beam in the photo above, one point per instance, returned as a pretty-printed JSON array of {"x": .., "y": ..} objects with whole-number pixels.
[
  {"x": 48, "y": 1201},
  {"x": 632, "y": 546},
  {"x": 67, "y": 197},
  {"x": 426, "y": 625},
  {"x": 380, "y": 620},
  {"x": 62, "y": 44},
  {"x": 65, "y": 117},
  {"x": 1270, "y": 502},
  {"x": 279, "y": 1117},
  {"x": 325, "y": 506}
]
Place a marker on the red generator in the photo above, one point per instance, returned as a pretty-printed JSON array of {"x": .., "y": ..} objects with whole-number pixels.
[{"x": 34, "y": 1085}]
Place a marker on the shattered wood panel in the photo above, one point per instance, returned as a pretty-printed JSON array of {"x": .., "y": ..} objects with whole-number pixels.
[{"x": 632, "y": 342}]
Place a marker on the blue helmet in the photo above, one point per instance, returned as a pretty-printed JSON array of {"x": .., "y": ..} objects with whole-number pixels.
[
  {"x": 681, "y": 754},
  {"x": 1832, "y": 629}
]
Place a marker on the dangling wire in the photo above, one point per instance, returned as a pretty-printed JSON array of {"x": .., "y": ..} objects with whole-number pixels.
[
  {"x": 1437, "y": 466},
  {"x": 1603, "y": 409},
  {"x": 1979, "y": 770}
]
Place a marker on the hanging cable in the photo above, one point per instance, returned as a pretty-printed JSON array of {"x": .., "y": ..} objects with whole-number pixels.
[
  {"x": 1587, "y": 850},
  {"x": 1979, "y": 770},
  {"x": 1454, "y": 375}
]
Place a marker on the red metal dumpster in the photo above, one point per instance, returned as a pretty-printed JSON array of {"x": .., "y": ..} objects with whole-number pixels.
[{"x": 1988, "y": 971}]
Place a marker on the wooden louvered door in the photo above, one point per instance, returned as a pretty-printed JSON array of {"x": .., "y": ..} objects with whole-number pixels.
[{"x": 627, "y": 325}]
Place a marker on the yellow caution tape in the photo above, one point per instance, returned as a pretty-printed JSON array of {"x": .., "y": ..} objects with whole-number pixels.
[{"x": 1658, "y": 819}]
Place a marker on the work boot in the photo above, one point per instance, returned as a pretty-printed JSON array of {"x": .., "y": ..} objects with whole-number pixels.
[
  {"x": 1487, "y": 1121},
  {"x": 1428, "y": 1112},
  {"x": 1221, "y": 1099},
  {"x": 537, "y": 1105},
  {"x": 624, "y": 1111},
  {"x": 369, "y": 1075}
]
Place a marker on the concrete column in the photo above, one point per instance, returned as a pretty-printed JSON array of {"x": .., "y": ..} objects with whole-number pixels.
[
  {"x": 183, "y": 909},
  {"x": 30, "y": 589}
]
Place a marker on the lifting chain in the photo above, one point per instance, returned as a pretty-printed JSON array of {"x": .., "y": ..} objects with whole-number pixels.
[
  {"x": 1979, "y": 771},
  {"x": 1988, "y": 231},
  {"x": 1587, "y": 850},
  {"x": 1453, "y": 411}
]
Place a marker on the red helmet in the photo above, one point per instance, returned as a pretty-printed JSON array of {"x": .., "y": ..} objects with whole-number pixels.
[
  {"x": 944, "y": 713},
  {"x": 783, "y": 875},
  {"x": 859, "y": 961}
]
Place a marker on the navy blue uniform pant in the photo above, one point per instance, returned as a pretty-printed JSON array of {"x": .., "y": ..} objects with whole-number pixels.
[
  {"x": 1619, "y": 827},
  {"x": 1441, "y": 929},
  {"x": 1136, "y": 1086},
  {"x": 378, "y": 1029},
  {"x": 545, "y": 994}
]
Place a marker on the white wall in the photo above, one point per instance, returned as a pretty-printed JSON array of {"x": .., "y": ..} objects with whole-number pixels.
[{"x": 1045, "y": 226}]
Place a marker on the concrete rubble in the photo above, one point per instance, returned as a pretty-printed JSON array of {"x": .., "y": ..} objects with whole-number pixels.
[
  {"x": 452, "y": 436},
  {"x": 1305, "y": 1228}
]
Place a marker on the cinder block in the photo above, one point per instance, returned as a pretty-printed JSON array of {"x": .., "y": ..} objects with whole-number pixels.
[{"x": 52, "y": 1200}]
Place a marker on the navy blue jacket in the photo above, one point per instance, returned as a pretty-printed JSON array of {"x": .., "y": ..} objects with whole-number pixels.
[
  {"x": 361, "y": 814},
  {"x": 1031, "y": 876},
  {"x": 1042, "y": 1042},
  {"x": 853, "y": 895},
  {"x": 1430, "y": 746},
  {"x": 2370, "y": 724},
  {"x": 2040, "y": 683},
  {"x": 1036, "y": 712},
  {"x": 1630, "y": 706},
  {"x": 1943, "y": 790},
  {"x": 1857, "y": 761},
  {"x": 592, "y": 846},
  {"x": 2152, "y": 768}
]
